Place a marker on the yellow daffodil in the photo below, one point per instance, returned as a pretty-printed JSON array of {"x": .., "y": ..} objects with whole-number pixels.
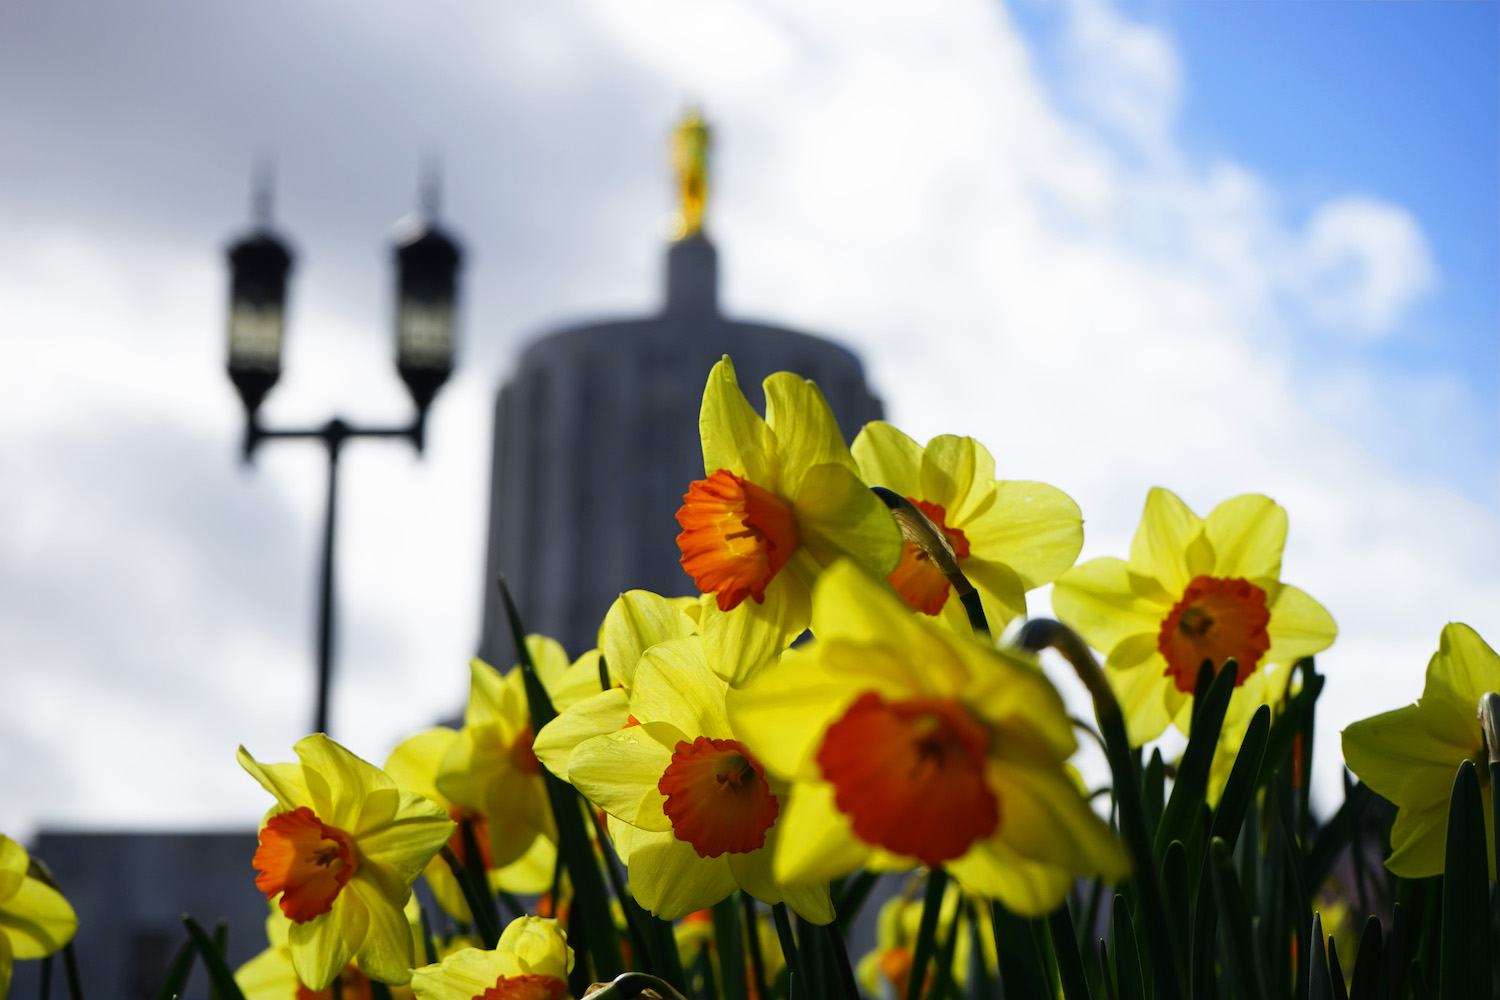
[
  {"x": 1194, "y": 590},
  {"x": 35, "y": 919},
  {"x": 636, "y": 621},
  {"x": 907, "y": 743},
  {"x": 270, "y": 975},
  {"x": 691, "y": 810},
  {"x": 531, "y": 962},
  {"x": 886, "y": 970},
  {"x": 414, "y": 765},
  {"x": 781, "y": 499},
  {"x": 339, "y": 852},
  {"x": 490, "y": 769},
  {"x": 1009, "y": 537},
  {"x": 1411, "y": 755}
]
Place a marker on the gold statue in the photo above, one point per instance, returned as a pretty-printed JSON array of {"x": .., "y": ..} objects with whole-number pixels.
[{"x": 690, "y": 161}]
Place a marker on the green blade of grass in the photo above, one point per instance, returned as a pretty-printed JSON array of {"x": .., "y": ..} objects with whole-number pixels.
[
  {"x": 219, "y": 974},
  {"x": 1464, "y": 969},
  {"x": 1234, "y": 915},
  {"x": 1190, "y": 789},
  {"x": 177, "y": 972}
]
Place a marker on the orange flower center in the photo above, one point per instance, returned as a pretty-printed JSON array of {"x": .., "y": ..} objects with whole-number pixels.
[
  {"x": 305, "y": 860},
  {"x": 735, "y": 537},
  {"x": 1216, "y": 619},
  {"x": 717, "y": 797},
  {"x": 481, "y": 828},
  {"x": 895, "y": 965},
  {"x": 526, "y": 987},
  {"x": 921, "y": 584},
  {"x": 352, "y": 986},
  {"x": 910, "y": 775}
]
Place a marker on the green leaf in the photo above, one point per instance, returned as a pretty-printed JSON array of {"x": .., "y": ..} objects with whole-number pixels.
[
  {"x": 1191, "y": 786},
  {"x": 1366, "y": 982},
  {"x": 1464, "y": 970},
  {"x": 1337, "y": 834},
  {"x": 932, "y": 905},
  {"x": 731, "y": 954},
  {"x": 219, "y": 975},
  {"x": 1021, "y": 971},
  {"x": 1234, "y": 914},
  {"x": 942, "y": 978},
  {"x": 1240, "y": 790},
  {"x": 1300, "y": 899},
  {"x": 1065, "y": 946},
  {"x": 591, "y": 904},
  {"x": 1177, "y": 894},
  {"x": 177, "y": 972},
  {"x": 1153, "y": 788},
  {"x": 1319, "y": 985},
  {"x": 481, "y": 906},
  {"x": 221, "y": 945},
  {"x": 1125, "y": 955},
  {"x": 1336, "y": 971}
]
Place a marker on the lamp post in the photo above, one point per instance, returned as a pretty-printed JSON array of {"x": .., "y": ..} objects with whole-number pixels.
[{"x": 427, "y": 263}]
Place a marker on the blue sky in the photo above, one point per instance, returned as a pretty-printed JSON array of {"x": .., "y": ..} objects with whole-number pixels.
[{"x": 1396, "y": 101}]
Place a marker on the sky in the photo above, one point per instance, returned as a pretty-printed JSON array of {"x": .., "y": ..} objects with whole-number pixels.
[{"x": 1221, "y": 248}]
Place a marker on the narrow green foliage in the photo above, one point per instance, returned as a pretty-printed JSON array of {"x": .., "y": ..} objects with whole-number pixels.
[
  {"x": 1234, "y": 915},
  {"x": 1065, "y": 946},
  {"x": 1366, "y": 982},
  {"x": 1129, "y": 983},
  {"x": 932, "y": 905},
  {"x": 379, "y": 990},
  {"x": 1153, "y": 790},
  {"x": 1337, "y": 835},
  {"x": 70, "y": 972},
  {"x": 1465, "y": 964},
  {"x": 177, "y": 972},
  {"x": 45, "y": 978},
  {"x": 834, "y": 940},
  {"x": 481, "y": 904},
  {"x": 1398, "y": 960},
  {"x": 752, "y": 938},
  {"x": 731, "y": 954},
  {"x": 1239, "y": 793},
  {"x": 479, "y": 882},
  {"x": 219, "y": 974},
  {"x": 1336, "y": 971},
  {"x": 979, "y": 972},
  {"x": 1177, "y": 894},
  {"x": 1296, "y": 882},
  {"x": 942, "y": 973},
  {"x": 221, "y": 945},
  {"x": 1319, "y": 985},
  {"x": 429, "y": 946},
  {"x": 1304, "y": 770},
  {"x": 1022, "y": 973},
  {"x": 591, "y": 905},
  {"x": 848, "y": 902},
  {"x": 797, "y": 981},
  {"x": 1191, "y": 787},
  {"x": 1300, "y": 707}
]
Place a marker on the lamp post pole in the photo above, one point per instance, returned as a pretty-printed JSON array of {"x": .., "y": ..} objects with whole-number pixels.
[{"x": 427, "y": 262}]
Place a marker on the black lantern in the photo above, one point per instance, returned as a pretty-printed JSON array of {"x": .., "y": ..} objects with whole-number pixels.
[
  {"x": 258, "y": 265},
  {"x": 427, "y": 261}
]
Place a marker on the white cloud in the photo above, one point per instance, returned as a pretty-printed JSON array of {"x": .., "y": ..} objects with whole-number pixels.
[{"x": 1098, "y": 307}]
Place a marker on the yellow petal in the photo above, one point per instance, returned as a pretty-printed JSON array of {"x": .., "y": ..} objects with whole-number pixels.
[
  {"x": 396, "y": 851},
  {"x": 1408, "y": 755},
  {"x": 1142, "y": 693},
  {"x": 540, "y": 943},
  {"x": 670, "y": 880},
  {"x": 284, "y": 781},
  {"x": 1002, "y": 594},
  {"x": 1419, "y": 840},
  {"x": 494, "y": 702},
  {"x": 319, "y": 952},
  {"x": 268, "y": 976},
  {"x": 386, "y": 954},
  {"x": 734, "y": 436},
  {"x": 464, "y": 975},
  {"x": 807, "y": 434},
  {"x": 602, "y": 713},
  {"x": 1248, "y": 534},
  {"x": 14, "y": 863},
  {"x": 673, "y": 683},
  {"x": 958, "y": 474},
  {"x": 741, "y": 641},
  {"x": 993, "y": 870},
  {"x": 415, "y": 762},
  {"x": 531, "y": 874},
  {"x": 1099, "y": 602},
  {"x": 1043, "y": 818},
  {"x": 636, "y": 621},
  {"x": 782, "y": 715},
  {"x": 1299, "y": 627},
  {"x": 886, "y": 457},
  {"x": 350, "y": 780},
  {"x": 1170, "y": 544},
  {"x": 36, "y": 919},
  {"x": 1035, "y": 529},
  {"x": 838, "y": 516},
  {"x": 810, "y": 902},
  {"x": 1464, "y": 668},
  {"x": 815, "y": 842},
  {"x": 619, "y": 772}
]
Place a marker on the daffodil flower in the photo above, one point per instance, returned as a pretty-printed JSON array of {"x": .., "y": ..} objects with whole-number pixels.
[
  {"x": 271, "y": 976},
  {"x": 691, "y": 810},
  {"x": 490, "y": 769},
  {"x": 1009, "y": 537},
  {"x": 338, "y": 853},
  {"x": 1411, "y": 755},
  {"x": 414, "y": 765},
  {"x": 1194, "y": 590},
  {"x": 531, "y": 962},
  {"x": 907, "y": 743},
  {"x": 35, "y": 919},
  {"x": 885, "y": 971},
  {"x": 781, "y": 499},
  {"x": 636, "y": 621}
]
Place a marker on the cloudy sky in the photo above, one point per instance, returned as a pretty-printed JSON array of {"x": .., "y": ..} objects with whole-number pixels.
[{"x": 1221, "y": 248}]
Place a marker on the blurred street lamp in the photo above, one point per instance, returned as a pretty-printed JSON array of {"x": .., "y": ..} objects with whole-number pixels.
[{"x": 427, "y": 264}]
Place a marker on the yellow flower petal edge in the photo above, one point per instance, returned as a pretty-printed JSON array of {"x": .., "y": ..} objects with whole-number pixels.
[
  {"x": 907, "y": 743},
  {"x": 338, "y": 854},
  {"x": 532, "y": 959},
  {"x": 35, "y": 919},
  {"x": 1410, "y": 755}
]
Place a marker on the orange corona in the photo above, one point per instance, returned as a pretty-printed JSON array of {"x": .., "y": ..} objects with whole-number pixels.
[
  {"x": 910, "y": 775},
  {"x": 717, "y": 797},
  {"x": 921, "y": 584},
  {"x": 525, "y": 987},
  {"x": 1216, "y": 619},
  {"x": 305, "y": 860},
  {"x": 736, "y": 536}
]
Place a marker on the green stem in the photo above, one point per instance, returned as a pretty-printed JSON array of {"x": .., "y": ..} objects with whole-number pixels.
[
  {"x": 932, "y": 905},
  {"x": 70, "y": 969},
  {"x": 788, "y": 948}
]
